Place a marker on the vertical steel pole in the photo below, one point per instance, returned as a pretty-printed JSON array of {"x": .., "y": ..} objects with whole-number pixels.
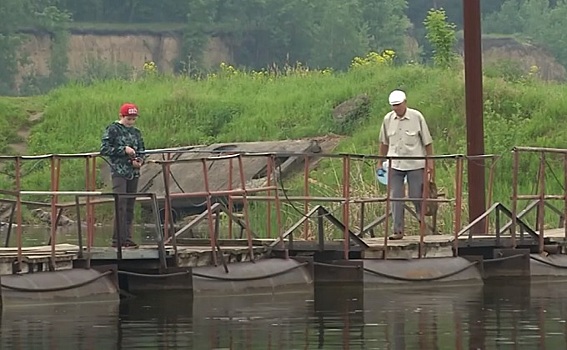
[
  {"x": 19, "y": 220},
  {"x": 474, "y": 106},
  {"x": 306, "y": 195},
  {"x": 269, "y": 204},
  {"x": 212, "y": 236},
  {"x": 346, "y": 205}
]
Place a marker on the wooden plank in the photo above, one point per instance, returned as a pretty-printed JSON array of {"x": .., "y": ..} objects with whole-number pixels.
[
  {"x": 181, "y": 242},
  {"x": 63, "y": 247},
  {"x": 208, "y": 249},
  {"x": 553, "y": 233},
  {"x": 313, "y": 246},
  {"x": 151, "y": 252},
  {"x": 42, "y": 257},
  {"x": 377, "y": 243},
  {"x": 35, "y": 254}
]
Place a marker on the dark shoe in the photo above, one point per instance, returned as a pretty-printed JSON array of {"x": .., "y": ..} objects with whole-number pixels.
[
  {"x": 396, "y": 236},
  {"x": 130, "y": 244}
]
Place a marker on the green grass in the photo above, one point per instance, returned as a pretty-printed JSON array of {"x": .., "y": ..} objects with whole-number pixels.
[
  {"x": 14, "y": 113},
  {"x": 238, "y": 106}
]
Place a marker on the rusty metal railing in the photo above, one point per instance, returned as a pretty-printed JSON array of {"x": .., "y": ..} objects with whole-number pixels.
[
  {"x": 57, "y": 207},
  {"x": 272, "y": 191},
  {"x": 540, "y": 199},
  {"x": 346, "y": 200}
]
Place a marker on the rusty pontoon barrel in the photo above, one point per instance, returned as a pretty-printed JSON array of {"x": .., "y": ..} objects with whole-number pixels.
[
  {"x": 552, "y": 267},
  {"x": 260, "y": 276},
  {"x": 378, "y": 273},
  {"x": 51, "y": 287},
  {"x": 450, "y": 270}
]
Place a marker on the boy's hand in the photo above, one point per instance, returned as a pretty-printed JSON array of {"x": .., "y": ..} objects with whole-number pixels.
[
  {"x": 137, "y": 163},
  {"x": 129, "y": 151}
]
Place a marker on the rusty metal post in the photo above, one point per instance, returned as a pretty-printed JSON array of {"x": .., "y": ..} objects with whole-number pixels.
[
  {"x": 212, "y": 235},
  {"x": 458, "y": 204},
  {"x": 54, "y": 186},
  {"x": 306, "y": 194},
  {"x": 87, "y": 210},
  {"x": 245, "y": 204},
  {"x": 541, "y": 204},
  {"x": 424, "y": 202},
  {"x": 278, "y": 211},
  {"x": 269, "y": 204},
  {"x": 166, "y": 173},
  {"x": 230, "y": 202},
  {"x": 490, "y": 190},
  {"x": 515, "y": 169},
  {"x": 565, "y": 194},
  {"x": 167, "y": 204},
  {"x": 92, "y": 206},
  {"x": 19, "y": 228},
  {"x": 388, "y": 205},
  {"x": 474, "y": 108},
  {"x": 346, "y": 204}
]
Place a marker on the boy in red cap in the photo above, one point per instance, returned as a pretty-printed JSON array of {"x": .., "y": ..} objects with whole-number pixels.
[{"x": 123, "y": 144}]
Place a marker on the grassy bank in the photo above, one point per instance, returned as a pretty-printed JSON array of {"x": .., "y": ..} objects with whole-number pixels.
[
  {"x": 297, "y": 103},
  {"x": 14, "y": 116}
]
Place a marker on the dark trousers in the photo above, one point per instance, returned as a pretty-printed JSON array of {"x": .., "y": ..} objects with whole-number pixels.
[
  {"x": 125, "y": 207},
  {"x": 415, "y": 184}
]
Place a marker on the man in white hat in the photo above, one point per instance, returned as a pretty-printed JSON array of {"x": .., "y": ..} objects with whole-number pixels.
[{"x": 404, "y": 132}]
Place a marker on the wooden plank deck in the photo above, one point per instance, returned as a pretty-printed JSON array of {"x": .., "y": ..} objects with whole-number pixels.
[
  {"x": 555, "y": 234},
  {"x": 63, "y": 248},
  {"x": 197, "y": 252},
  {"x": 38, "y": 258}
]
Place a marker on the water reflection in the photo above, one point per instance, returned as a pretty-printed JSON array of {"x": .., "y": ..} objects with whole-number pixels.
[
  {"x": 501, "y": 315},
  {"x": 74, "y": 326}
]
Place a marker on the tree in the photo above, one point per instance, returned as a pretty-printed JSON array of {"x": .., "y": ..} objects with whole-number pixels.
[
  {"x": 441, "y": 36},
  {"x": 540, "y": 20},
  {"x": 387, "y": 24},
  {"x": 340, "y": 34}
]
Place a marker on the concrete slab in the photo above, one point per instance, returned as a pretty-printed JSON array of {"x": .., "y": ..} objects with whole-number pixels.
[{"x": 188, "y": 177}]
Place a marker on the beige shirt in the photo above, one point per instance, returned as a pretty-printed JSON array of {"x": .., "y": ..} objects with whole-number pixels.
[{"x": 406, "y": 136}]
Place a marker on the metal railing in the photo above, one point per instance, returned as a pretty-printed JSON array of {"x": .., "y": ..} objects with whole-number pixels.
[
  {"x": 278, "y": 195},
  {"x": 56, "y": 207},
  {"x": 275, "y": 195},
  {"x": 540, "y": 199}
]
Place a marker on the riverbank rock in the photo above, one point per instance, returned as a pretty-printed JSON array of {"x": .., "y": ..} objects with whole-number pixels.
[
  {"x": 45, "y": 217},
  {"x": 352, "y": 109}
]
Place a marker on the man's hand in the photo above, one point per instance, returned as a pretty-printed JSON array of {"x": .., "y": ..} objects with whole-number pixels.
[
  {"x": 430, "y": 165},
  {"x": 129, "y": 151}
]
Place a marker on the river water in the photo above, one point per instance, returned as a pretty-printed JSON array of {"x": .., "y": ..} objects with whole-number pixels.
[{"x": 498, "y": 315}]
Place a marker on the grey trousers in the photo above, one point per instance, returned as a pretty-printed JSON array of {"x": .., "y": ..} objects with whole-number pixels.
[
  {"x": 415, "y": 184},
  {"x": 125, "y": 207}
]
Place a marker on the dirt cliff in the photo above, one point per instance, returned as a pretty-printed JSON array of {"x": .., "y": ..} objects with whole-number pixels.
[
  {"x": 131, "y": 48},
  {"x": 136, "y": 48},
  {"x": 524, "y": 54}
]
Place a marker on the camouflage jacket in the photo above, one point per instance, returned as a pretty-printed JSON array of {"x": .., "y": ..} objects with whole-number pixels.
[{"x": 114, "y": 140}]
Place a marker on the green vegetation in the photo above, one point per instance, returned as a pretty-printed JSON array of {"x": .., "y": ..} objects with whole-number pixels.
[
  {"x": 539, "y": 20},
  {"x": 14, "y": 114},
  {"x": 296, "y": 102},
  {"x": 442, "y": 37}
]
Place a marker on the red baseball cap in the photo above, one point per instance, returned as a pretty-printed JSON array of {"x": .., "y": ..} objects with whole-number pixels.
[{"x": 129, "y": 109}]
